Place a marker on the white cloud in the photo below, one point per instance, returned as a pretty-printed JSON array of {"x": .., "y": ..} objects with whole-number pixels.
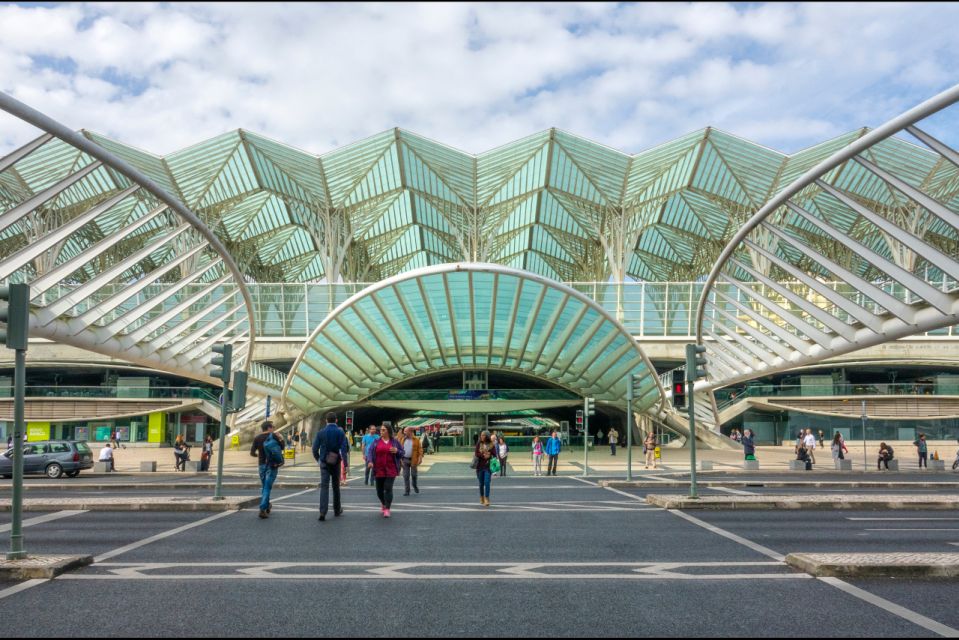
[{"x": 317, "y": 76}]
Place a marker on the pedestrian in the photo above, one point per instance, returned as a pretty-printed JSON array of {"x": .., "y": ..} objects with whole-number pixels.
[
  {"x": 803, "y": 455},
  {"x": 502, "y": 452},
  {"x": 207, "y": 453},
  {"x": 649, "y": 448},
  {"x": 538, "y": 453},
  {"x": 799, "y": 440},
  {"x": 810, "y": 443},
  {"x": 821, "y": 444},
  {"x": 371, "y": 437},
  {"x": 412, "y": 457},
  {"x": 9, "y": 441},
  {"x": 553, "y": 447},
  {"x": 331, "y": 450},
  {"x": 923, "y": 451},
  {"x": 613, "y": 441},
  {"x": 385, "y": 460},
  {"x": 116, "y": 439},
  {"x": 734, "y": 435},
  {"x": 749, "y": 448},
  {"x": 436, "y": 441},
  {"x": 268, "y": 449},
  {"x": 304, "y": 440},
  {"x": 838, "y": 449},
  {"x": 181, "y": 453},
  {"x": 482, "y": 454},
  {"x": 427, "y": 443},
  {"x": 106, "y": 455},
  {"x": 295, "y": 438},
  {"x": 885, "y": 455}
]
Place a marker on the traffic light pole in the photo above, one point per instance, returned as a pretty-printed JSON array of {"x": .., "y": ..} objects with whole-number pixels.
[
  {"x": 218, "y": 492},
  {"x": 691, "y": 403},
  {"x": 585, "y": 438},
  {"x": 16, "y": 526},
  {"x": 629, "y": 428}
]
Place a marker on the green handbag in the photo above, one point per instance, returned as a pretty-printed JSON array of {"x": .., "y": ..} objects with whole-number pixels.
[{"x": 494, "y": 465}]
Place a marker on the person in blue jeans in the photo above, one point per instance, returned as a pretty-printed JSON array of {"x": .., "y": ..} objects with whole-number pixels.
[
  {"x": 553, "y": 447},
  {"x": 330, "y": 449},
  {"x": 267, "y": 471},
  {"x": 484, "y": 452},
  {"x": 368, "y": 440}
]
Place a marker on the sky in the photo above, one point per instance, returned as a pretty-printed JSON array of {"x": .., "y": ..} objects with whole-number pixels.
[{"x": 162, "y": 77}]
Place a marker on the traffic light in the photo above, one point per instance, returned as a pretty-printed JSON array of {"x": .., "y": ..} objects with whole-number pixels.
[
  {"x": 695, "y": 362},
  {"x": 579, "y": 419},
  {"x": 223, "y": 362},
  {"x": 349, "y": 419},
  {"x": 238, "y": 399},
  {"x": 679, "y": 389},
  {"x": 15, "y": 313},
  {"x": 590, "y": 406}
]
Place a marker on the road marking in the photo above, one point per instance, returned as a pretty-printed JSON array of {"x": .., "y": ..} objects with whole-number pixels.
[
  {"x": 865, "y": 596},
  {"x": 50, "y": 517},
  {"x": 738, "y": 492},
  {"x": 901, "y": 519},
  {"x": 23, "y": 586},
  {"x": 892, "y": 607},
  {"x": 895, "y": 529},
  {"x": 438, "y": 571}
]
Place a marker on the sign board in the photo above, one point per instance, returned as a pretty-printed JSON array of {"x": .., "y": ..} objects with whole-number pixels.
[
  {"x": 124, "y": 433},
  {"x": 81, "y": 433},
  {"x": 289, "y": 454},
  {"x": 156, "y": 429},
  {"x": 38, "y": 431},
  {"x": 235, "y": 441},
  {"x": 102, "y": 433}
]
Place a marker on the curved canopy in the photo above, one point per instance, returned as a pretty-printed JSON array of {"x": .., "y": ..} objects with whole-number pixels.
[{"x": 467, "y": 316}]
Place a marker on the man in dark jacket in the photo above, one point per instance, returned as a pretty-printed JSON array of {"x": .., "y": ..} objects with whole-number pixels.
[
  {"x": 267, "y": 470},
  {"x": 330, "y": 447}
]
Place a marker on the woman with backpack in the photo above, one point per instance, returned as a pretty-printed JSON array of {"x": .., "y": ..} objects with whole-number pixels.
[{"x": 385, "y": 460}]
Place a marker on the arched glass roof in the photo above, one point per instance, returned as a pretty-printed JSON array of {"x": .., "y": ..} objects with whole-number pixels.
[{"x": 464, "y": 316}]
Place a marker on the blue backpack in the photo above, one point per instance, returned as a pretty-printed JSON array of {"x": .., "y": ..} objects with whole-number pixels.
[{"x": 273, "y": 452}]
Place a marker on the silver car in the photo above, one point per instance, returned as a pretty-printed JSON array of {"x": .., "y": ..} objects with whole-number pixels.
[{"x": 53, "y": 458}]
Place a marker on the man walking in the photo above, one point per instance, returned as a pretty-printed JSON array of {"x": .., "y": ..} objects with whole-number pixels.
[
  {"x": 810, "y": 442},
  {"x": 370, "y": 437},
  {"x": 412, "y": 457},
  {"x": 330, "y": 447},
  {"x": 649, "y": 448},
  {"x": 553, "y": 447},
  {"x": 268, "y": 464},
  {"x": 613, "y": 440}
]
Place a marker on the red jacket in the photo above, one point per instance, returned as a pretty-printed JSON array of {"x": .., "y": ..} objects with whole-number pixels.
[{"x": 386, "y": 464}]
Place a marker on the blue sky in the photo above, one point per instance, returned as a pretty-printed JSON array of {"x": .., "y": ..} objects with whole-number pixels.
[{"x": 318, "y": 76}]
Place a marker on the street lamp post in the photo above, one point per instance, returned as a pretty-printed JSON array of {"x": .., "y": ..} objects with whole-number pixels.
[
  {"x": 629, "y": 428},
  {"x": 865, "y": 454},
  {"x": 15, "y": 313}
]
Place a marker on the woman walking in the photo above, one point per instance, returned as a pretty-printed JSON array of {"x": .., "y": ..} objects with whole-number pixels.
[
  {"x": 649, "y": 446},
  {"x": 207, "y": 453},
  {"x": 484, "y": 452},
  {"x": 838, "y": 449},
  {"x": 385, "y": 456},
  {"x": 537, "y": 456},
  {"x": 502, "y": 451},
  {"x": 181, "y": 452}
]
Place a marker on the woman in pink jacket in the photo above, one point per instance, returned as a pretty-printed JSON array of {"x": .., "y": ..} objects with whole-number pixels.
[{"x": 385, "y": 461}]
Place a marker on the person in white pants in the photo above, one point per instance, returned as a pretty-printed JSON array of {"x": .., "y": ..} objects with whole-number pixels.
[{"x": 810, "y": 441}]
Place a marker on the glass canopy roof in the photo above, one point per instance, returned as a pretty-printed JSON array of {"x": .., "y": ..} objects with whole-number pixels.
[{"x": 458, "y": 316}]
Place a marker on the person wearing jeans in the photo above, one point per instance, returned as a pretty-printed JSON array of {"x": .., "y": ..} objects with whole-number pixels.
[
  {"x": 613, "y": 440},
  {"x": 502, "y": 452},
  {"x": 386, "y": 461},
  {"x": 367, "y": 441},
  {"x": 267, "y": 470},
  {"x": 484, "y": 452},
  {"x": 412, "y": 457},
  {"x": 553, "y": 447},
  {"x": 330, "y": 449},
  {"x": 537, "y": 456},
  {"x": 923, "y": 450}
]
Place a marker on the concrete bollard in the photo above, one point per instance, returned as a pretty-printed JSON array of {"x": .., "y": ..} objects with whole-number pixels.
[
  {"x": 148, "y": 466},
  {"x": 751, "y": 465},
  {"x": 893, "y": 465},
  {"x": 797, "y": 465},
  {"x": 843, "y": 465},
  {"x": 101, "y": 467},
  {"x": 192, "y": 466},
  {"x": 706, "y": 465},
  {"x": 937, "y": 465}
]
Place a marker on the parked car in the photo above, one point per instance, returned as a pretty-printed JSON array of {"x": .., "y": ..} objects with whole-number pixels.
[{"x": 53, "y": 458}]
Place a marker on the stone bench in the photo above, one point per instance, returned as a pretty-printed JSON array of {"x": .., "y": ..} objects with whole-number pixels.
[
  {"x": 937, "y": 465},
  {"x": 192, "y": 466},
  {"x": 148, "y": 466},
  {"x": 843, "y": 465},
  {"x": 797, "y": 465},
  {"x": 101, "y": 467},
  {"x": 893, "y": 465},
  {"x": 751, "y": 465},
  {"x": 706, "y": 465}
]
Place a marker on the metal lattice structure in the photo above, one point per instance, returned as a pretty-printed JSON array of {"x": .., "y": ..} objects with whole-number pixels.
[
  {"x": 462, "y": 316},
  {"x": 881, "y": 215},
  {"x": 116, "y": 265}
]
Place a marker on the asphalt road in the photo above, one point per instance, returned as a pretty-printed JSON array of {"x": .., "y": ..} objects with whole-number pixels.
[{"x": 551, "y": 557}]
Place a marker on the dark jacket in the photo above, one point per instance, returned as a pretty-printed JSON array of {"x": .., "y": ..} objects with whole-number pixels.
[
  {"x": 484, "y": 462},
  {"x": 749, "y": 448},
  {"x": 331, "y": 438},
  {"x": 257, "y": 448}
]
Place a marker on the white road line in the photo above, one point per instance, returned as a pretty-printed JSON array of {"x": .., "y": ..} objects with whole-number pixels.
[
  {"x": 737, "y": 492},
  {"x": 865, "y": 596},
  {"x": 50, "y": 517},
  {"x": 23, "y": 586},
  {"x": 892, "y": 607},
  {"x": 929, "y": 529},
  {"x": 901, "y": 519}
]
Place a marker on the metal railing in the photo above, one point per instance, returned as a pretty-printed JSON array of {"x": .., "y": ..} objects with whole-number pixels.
[
  {"x": 729, "y": 396},
  {"x": 122, "y": 392},
  {"x": 468, "y": 394},
  {"x": 646, "y": 309}
]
